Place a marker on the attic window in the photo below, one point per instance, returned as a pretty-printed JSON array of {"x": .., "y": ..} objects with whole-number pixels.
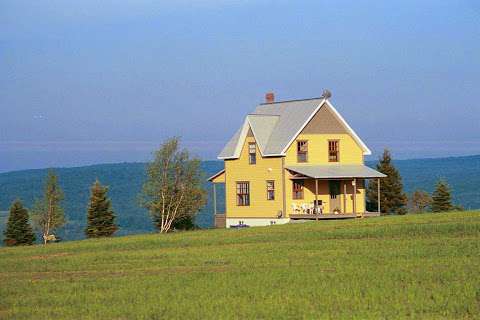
[
  {"x": 252, "y": 153},
  {"x": 302, "y": 151}
]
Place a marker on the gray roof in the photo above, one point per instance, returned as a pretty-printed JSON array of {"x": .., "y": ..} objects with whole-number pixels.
[
  {"x": 262, "y": 128},
  {"x": 229, "y": 149},
  {"x": 336, "y": 171},
  {"x": 293, "y": 114},
  {"x": 274, "y": 125}
]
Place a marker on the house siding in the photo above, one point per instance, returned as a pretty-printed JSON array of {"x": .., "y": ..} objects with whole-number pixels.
[
  {"x": 257, "y": 175},
  {"x": 325, "y": 126},
  {"x": 350, "y": 152}
]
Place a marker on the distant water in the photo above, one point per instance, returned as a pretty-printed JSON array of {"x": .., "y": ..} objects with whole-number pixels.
[{"x": 30, "y": 155}]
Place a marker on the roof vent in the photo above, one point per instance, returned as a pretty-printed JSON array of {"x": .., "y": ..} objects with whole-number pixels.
[
  {"x": 326, "y": 94},
  {"x": 269, "y": 97}
]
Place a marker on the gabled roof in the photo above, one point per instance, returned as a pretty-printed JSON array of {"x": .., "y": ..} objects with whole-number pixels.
[{"x": 276, "y": 125}]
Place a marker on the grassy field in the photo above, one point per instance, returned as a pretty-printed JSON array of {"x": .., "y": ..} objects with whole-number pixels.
[{"x": 414, "y": 266}]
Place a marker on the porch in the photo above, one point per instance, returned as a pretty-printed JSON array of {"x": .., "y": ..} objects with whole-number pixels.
[
  {"x": 220, "y": 218},
  {"x": 328, "y": 216},
  {"x": 334, "y": 191}
]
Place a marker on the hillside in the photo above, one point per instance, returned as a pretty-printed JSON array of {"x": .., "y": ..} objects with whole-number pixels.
[
  {"x": 125, "y": 181},
  {"x": 415, "y": 266}
]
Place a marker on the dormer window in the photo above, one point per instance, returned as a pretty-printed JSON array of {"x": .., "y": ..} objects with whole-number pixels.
[
  {"x": 333, "y": 151},
  {"x": 252, "y": 153},
  {"x": 302, "y": 151}
]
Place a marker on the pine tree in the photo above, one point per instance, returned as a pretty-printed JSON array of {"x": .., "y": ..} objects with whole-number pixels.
[
  {"x": 100, "y": 216},
  {"x": 48, "y": 214},
  {"x": 392, "y": 197},
  {"x": 18, "y": 232},
  {"x": 442, "y": 198}
]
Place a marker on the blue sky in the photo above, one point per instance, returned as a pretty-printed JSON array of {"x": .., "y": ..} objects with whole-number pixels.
[{"x": 106, "y": 81}]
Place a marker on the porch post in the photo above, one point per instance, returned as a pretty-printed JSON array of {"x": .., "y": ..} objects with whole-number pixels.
[
  {"x": 214, "y": 199},
  {"x": 378, "y": 195},
  {"x": 354, "y": 195},
  {"x": 344, "y": 196},
  {"x": 315, "y": 207}
]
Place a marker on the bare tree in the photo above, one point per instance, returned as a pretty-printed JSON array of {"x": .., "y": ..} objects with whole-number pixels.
[
  {"x": 173, "y": 189},
  {"x": 420, "y": 201}
]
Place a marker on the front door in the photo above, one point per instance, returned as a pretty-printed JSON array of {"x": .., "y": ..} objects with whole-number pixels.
[{"x": 335, "y": 203}]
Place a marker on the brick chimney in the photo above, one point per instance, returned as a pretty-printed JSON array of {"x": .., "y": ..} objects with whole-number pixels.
[{"x": 269, "y": 97}]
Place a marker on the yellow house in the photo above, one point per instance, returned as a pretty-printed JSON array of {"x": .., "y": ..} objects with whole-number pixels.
[{"x": 290, "y": 160}]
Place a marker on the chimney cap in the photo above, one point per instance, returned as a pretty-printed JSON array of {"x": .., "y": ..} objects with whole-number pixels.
[{"x": 269, "y": 97}]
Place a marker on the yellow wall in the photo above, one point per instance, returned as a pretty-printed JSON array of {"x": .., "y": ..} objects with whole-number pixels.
[
  {"x": 257, "y": 174},
  {"x": 350, "y": 152},
  {"x": 271, "y": 169}
]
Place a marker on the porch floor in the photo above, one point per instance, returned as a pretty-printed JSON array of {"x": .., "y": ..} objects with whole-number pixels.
[{"x": 323, "y": 216}]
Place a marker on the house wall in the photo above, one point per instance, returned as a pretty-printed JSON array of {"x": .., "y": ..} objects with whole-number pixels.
[
  {"x": 257, "y": 175},
  {"x": 350, "y": 151},
  {"x": 322, "y": 127}
]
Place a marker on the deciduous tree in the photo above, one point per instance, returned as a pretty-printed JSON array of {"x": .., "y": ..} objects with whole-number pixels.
[
  {"x": 19, "y": 231},
  {"x": 48, "y": 214},
  {"x": 420, "y": 201},
  {"x": 100, "y": 216},
  {"x": 173, "y": 189},
  {"x": 392, "y": 197}
]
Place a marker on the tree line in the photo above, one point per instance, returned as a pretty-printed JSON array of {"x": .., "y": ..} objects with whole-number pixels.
[
  {"x": 172, "y": 193},
  {"x": 393, "y": 200}
]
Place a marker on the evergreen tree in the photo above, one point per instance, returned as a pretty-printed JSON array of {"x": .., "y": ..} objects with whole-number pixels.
[
  {"x": 100, "y": 216},
  {"x": 18, "y": 232},
  {"x": 442, "y": 198},
  {"x": 392, "y": 197},
  {"x": 48, "y": 213}
]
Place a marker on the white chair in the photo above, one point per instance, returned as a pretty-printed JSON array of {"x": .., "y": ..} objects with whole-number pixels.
[
  {"x": 295, "y": 208},
  {"x": 305, "y": 208}
]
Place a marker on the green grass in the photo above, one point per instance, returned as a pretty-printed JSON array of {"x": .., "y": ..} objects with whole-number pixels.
[{"x": 414, "y": 266}]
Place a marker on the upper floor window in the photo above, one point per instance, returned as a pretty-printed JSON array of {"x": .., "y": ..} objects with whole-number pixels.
[
  {"x": 243, "y": 193},
  {"x": 252, "y": 153},
  {"x": 302, "y": 151},
  {"x": 333, "y": 151},
  {"x": 270, "y": 190},
  {"x": 297, "y": 192}
]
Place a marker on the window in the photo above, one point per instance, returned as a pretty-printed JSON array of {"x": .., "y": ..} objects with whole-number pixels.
[
  {"x": 243, "y": 194},
  {"x": 333, "y": 150},
  {"x": 252, "y": 153},
  {"x": 298, "y": 189},
  {"x": 270, "y": 190},
  {"x": 302, "y": 151}
]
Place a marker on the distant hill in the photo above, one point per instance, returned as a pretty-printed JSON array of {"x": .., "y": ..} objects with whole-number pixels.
[{"x": 126, "y": 179}]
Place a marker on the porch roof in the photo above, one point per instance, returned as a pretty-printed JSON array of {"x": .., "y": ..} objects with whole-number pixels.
[
  {"x": 218, "y": 177},
  {"x": 336, "y": 171}
]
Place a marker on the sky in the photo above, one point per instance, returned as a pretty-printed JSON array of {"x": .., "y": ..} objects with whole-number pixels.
[{"x": 84, "y": 82}]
